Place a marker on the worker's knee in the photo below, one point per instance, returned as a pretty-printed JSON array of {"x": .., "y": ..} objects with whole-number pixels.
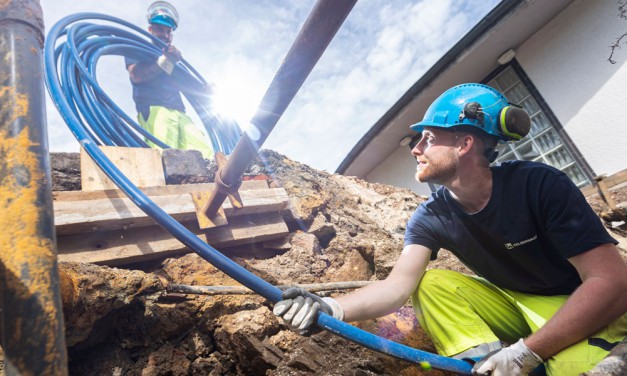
[
  {"x": 576, "y": 359},
  {"x": 583, "y": 356},
  {"x": 432, "y": 275},
  {"x": 435, "y": 286},
  {"x": 440, "y": 281}
]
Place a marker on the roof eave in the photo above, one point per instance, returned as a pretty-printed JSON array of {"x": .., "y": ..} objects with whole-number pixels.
[{"x": 478, "y": 31}]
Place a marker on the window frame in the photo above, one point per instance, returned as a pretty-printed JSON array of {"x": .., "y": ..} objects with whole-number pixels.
[{"x": 556, "y": 125}]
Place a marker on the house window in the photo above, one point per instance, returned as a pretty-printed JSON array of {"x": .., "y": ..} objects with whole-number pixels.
[{"x": 546, "y": 142}]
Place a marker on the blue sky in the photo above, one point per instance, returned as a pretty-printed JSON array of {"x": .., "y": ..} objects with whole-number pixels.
[{"x": 382, "y": 48}]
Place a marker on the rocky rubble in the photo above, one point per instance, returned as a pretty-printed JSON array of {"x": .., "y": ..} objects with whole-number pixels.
[
  {"x": 341, "y": 229},
  {"x": 121, "y": 321}
]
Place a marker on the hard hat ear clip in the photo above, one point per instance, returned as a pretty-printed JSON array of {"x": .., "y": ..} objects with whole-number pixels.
[{"x": 473, "y": 111}]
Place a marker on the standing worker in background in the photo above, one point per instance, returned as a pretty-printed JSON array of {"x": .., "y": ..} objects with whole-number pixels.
[
  {"x": 550, "y": 281},
  {"x": 157, "y": 97}
]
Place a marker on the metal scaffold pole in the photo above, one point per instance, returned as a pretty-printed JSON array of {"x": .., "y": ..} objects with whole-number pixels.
[{"x": 31, "y": 318}]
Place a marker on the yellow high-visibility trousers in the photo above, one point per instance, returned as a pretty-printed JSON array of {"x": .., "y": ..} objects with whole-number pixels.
[
  {"x": 175, "y": 129},
  {"x": 460, "y": 312}
]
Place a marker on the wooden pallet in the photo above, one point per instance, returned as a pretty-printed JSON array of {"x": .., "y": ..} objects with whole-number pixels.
[
  {"x": 76, "y": 214},
  {"x": 104, "y": 226}
]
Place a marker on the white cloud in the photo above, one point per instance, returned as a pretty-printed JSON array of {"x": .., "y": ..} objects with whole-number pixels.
[{"x": 380, "y": 51}]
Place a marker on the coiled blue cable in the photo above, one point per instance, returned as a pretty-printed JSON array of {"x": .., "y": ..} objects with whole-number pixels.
[
  {"x": 95, "y": 120},
  {"x": 108, "y": 124}
]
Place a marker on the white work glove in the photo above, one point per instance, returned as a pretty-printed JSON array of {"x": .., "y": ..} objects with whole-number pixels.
[
  {"x": 166, "y": 64},
  {"x": 514, "y": 360},
  {"x": 168, "y": 60},
  {"x": 299, "y": 310}
]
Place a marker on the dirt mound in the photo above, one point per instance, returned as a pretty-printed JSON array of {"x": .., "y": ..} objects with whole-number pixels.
[{"x": 122, "y": 321}]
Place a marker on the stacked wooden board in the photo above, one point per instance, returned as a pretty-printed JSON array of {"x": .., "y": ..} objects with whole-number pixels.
[{"x": 101, "y": 225}]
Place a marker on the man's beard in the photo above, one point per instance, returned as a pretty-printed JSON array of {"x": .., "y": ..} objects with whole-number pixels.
[{"x": 436, "y": 171}]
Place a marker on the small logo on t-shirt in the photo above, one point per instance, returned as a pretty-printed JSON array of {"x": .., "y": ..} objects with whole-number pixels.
[{"x": 518, "y": 244}]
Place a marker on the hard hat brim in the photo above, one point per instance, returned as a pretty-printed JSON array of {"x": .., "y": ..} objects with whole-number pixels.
[
  {"x": 163, "y": 21},
  {"x": 419, "y": 127}
]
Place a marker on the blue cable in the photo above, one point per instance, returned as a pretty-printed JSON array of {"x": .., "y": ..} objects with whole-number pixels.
[{"x": 95, "y": 120}]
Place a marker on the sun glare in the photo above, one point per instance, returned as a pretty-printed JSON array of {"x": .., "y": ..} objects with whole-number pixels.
[{"x": 237, "y": 99}]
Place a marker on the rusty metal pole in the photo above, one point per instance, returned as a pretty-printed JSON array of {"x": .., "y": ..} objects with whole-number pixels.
[
  {"x": 31, "y": 317},
  {"x": 319, "y": 29}
]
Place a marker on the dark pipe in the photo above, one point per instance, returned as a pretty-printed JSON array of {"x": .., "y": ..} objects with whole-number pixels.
[
  {"x": 61, "y": 97},
  {"x": 321, "y": 26},
  {"x": 31, "y": 318}
]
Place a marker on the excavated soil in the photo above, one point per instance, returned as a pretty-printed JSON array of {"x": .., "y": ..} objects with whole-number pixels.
[{"x": 120, "y": 321}]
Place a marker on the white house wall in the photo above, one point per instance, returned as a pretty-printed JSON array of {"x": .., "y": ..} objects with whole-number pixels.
[
  {"x": 399, "y": 170},
  {"x": 567, "y": 61}
]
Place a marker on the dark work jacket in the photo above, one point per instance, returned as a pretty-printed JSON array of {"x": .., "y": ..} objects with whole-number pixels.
[{"x": 535, "y": 220}]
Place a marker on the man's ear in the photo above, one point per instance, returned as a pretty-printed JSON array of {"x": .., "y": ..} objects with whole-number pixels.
[
  {"x": 465, "y": 143},
  {"x": 150, "y": 28}
]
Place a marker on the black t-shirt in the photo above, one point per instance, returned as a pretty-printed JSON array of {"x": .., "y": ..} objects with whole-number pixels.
[
  {"x": 535, "y": 220},
  {"x": 160, "y": 91}
]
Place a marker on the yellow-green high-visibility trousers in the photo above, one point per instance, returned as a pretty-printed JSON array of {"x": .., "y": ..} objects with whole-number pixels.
[
  {"x": 175, "y": 129},
  {"x": 460, "y": 312}
]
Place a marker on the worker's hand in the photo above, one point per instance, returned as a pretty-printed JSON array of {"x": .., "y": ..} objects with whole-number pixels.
[
  {"x": 172, "y": 53},
  {"x": 514, "y": 360},
  {"x": 168, "y": 60},
  {"x": 299, "y": 310}
]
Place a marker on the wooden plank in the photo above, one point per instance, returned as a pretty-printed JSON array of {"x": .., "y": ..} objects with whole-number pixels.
[
  {"x": 127, "y": 246},
  {"x": 75, "y": 217},
  {"x": 143, "y": 167},
  {"x": 616, "y": 179},
  {"x": 248, "y": 229},
  {"x": 163, "y": 190},
  {"x": 610, "y": 181}
]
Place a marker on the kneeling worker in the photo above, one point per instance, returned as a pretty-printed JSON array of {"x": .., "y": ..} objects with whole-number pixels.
[{"x": 550, "y": 284}]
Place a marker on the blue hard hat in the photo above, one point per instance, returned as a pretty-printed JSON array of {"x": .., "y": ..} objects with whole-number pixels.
[
  {"x": 479, "y": 106},
  {"x": 163, "y": 13}
]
